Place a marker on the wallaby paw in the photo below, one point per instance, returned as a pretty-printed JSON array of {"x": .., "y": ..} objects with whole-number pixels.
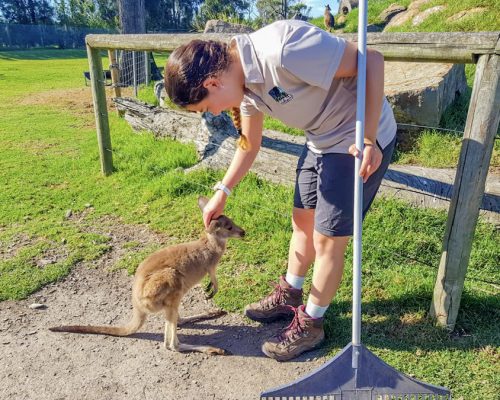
[
  {"x": 210, "y": 291},
  {"x": 218, "y": 352}
]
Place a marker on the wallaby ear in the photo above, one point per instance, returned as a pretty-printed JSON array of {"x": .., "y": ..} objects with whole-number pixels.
[
  {"x": 214, "y": 224},
  {"x": 202, "y": 202}
]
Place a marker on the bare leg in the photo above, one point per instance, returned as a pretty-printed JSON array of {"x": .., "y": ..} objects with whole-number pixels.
[
  {"x": 301, "y": 252},
  {"x": 328, "y": 267}
]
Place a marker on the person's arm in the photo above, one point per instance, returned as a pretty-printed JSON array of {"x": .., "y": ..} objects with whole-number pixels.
[
  {"x": 372, "y": 156},
  {"x": 242, "y": 161}
]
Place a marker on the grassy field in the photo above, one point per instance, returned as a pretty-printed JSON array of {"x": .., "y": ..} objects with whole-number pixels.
[
  {"x": 484, "y": 20},
  {"x": 50, "y": 165}
]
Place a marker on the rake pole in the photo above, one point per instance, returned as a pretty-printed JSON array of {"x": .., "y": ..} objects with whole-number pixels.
[{"x": 358, "y": 186}]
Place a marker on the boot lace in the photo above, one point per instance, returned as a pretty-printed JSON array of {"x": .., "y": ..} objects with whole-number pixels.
[
  {"x": 277, "y": 297},
  {"x": 292, "y": 331}
]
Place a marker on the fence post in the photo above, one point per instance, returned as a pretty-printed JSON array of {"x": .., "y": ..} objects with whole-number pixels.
[
  {"x": 147, "y": 68},
  {"x": 100, "y": 110},
  {"x": 477, "y": 146},
  {"x": 115, "y": 75}
]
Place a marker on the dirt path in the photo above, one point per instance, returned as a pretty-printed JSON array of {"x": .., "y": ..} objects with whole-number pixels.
[{"x": 39, "y": 364}]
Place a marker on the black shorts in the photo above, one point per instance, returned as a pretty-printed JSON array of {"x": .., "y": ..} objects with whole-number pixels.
[{"x": 325, "y": 182}]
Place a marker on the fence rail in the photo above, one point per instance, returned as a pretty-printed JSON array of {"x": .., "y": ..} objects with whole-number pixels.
[
  {"x": 454, "y": 47},
  {"x": 482, "y": 48}
]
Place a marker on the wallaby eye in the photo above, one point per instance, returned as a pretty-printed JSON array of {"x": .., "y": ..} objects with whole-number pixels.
[{"x": 230, "y": 228}]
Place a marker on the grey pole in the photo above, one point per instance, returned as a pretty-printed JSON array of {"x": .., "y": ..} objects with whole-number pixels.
[{"x": 358, "y": 182}]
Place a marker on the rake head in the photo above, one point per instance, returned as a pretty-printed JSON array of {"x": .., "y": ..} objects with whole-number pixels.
[{"x": 373, "y": 379}]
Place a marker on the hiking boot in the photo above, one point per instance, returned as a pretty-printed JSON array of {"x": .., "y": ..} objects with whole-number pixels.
[
  {"x": 277, "y": 304},
  {"x": 303, "y": 334}
]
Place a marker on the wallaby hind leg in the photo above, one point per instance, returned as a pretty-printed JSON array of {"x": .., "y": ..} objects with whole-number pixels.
[{"x": 172, "y": 342}]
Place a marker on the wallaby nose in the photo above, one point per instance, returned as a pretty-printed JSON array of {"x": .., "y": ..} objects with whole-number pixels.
[{"x": 242, "y": 233}]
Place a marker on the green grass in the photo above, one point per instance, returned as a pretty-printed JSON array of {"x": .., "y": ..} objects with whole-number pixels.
[
  {"x": 50, "y": 165},
  {"x": 437, "y": 22}
]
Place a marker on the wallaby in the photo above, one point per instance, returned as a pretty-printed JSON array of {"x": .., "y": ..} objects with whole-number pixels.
[
  {"x": 165, "y": 276},
  {"x": 328, "y": 19}
]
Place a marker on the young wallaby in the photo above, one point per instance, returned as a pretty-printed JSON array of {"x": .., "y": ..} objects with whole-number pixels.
[
  {"x": 164, "y": 277},
  {"x": 328, "y": 19}
]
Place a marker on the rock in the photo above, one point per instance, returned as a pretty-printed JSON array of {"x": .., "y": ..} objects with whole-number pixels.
[
  {"x": 340, "y": 20},
  {"x": 374, "y": 28},
  {"x": 45, "y": 261},
  {"x": 390, "y": 12},
  {"x": 417, "y": 20},
  {"x": 68, "y": 214},
  {"x": 466, "y": 14},
  {"x": 403, "y": 17},
  {"x": 218, "y": 26},
  {"x": 37, "y": 306},
  {"x": 346, "y": 6},
  {"x": 420, "y": 92}
]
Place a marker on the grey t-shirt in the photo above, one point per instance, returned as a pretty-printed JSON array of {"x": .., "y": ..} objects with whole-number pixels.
[{"x": 289, "y": 69}]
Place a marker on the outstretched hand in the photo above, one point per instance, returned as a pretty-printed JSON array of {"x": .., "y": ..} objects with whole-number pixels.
[
  {"x": 371, "y": 159},
  {"x": 214, "y": 207}
]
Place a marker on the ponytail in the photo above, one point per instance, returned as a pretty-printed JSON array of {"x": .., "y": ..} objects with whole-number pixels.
[{"x": 242, "y": 142}]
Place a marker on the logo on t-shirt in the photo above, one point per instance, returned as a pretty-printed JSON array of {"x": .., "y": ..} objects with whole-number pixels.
[{"x": 279, "y": 95}]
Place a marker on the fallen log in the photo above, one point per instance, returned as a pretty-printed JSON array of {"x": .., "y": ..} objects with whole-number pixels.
[{"x": 215, "y": 140}]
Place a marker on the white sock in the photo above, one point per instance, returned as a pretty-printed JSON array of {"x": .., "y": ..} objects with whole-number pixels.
[
  {"x": 294, "y": 280},
  {"x": 315, "y": 311}
]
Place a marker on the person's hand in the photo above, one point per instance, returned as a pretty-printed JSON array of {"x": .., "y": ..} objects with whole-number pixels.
[
  {"x": 214, "y": 207},
  {"x": 372, "y": 158}
]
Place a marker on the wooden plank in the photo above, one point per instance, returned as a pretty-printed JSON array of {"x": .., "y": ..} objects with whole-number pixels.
[
  {"x": 456, "y": 47},
  {"x": 100, "y": 110},
  {"x": 480, "y": 130},
  {"x": 423, "y": 187}
]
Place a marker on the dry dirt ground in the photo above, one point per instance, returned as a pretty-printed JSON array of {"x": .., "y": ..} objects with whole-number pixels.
[{"x": 37, "y": 364}]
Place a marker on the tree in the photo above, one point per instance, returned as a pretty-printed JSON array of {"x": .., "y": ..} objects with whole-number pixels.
[
  {"x": 166, "y": 15},
  {"x": 28, "y": 12},
  {"x": 91, "y": 13},
  {"x": 132, "y": 20},
  {"x": 272, "y": 10},
  {"x": 227, "y": 10}
]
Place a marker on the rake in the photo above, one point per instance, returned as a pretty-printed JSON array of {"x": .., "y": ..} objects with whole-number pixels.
[{"x": 356, "y": 373}]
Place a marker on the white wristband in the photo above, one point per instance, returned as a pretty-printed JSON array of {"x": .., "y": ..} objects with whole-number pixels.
[{"x": 220, "y": 186}]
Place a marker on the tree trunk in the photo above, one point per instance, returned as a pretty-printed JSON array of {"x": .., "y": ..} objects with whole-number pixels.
[
  {"x": 215, "y": 140},
  {"x": 132, "y": 16},
  {"x": 132, "y": 20}
]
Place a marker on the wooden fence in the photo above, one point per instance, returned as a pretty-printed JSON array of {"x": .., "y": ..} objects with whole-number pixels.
[{"x": 481, "y": 48}]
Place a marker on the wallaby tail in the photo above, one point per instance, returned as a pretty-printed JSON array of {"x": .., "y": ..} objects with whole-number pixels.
[{"x": 133, "y": 326}]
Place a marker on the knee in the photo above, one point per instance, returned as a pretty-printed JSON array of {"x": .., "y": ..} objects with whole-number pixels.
[
  {"x": 322, "y": 244},
  {"x": 330, "y": 246},
  {"x": 303, "y": 221}
]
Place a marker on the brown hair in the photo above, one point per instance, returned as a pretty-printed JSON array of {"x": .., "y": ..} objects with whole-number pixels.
[
  {"x": 242, "y": 142},
  {"x": 189, "y": 65},
  {"x": 187, "y": 68}
]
